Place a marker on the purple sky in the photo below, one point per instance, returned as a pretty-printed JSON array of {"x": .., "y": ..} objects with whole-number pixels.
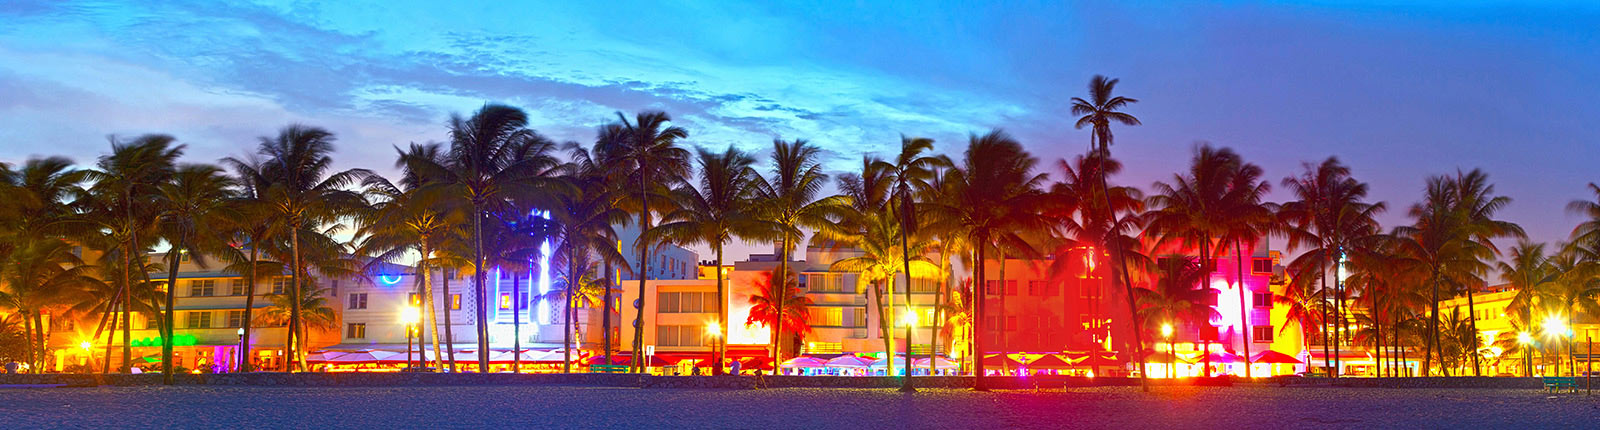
[{"x": 1399, "y": 92}]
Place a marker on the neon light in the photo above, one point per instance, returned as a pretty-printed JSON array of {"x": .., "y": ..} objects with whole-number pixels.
[
  {"x": 388, "y": 281},
  {"x": 544, "y": 272}
]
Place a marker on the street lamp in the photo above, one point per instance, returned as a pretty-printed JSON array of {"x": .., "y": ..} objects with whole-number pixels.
[
  {"x": 242, "y": 357},
  {"x": 1172, "y": 351},
  {"x": 410, "y": 316},
  {"x": 1557, "y": 327},
  {"x": 715, "y": 331},
  {"x": 1526, "y": 340}
]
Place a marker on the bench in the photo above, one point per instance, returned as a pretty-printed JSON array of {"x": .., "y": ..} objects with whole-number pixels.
[
  {"x": 1560, "y": 383},
  {"x": 608, "y": 368}
]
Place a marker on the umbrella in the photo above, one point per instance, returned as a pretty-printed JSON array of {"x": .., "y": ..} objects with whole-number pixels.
[
  {"x": 899, "y": 363},
  {"x": 601, "y": 359},
  {"x": 545, "y": 357},
  {"x": 1273, "y": 357},
  {"x": 939, "y": 363},
  {"x": 460, "y": 356},
  {"x": 323, "y": 356},
  {"x": 848, "y": 362},
  {"x": 1223, "y": 357},
  {"x": 999, "y": 360},
  {"x": 1050, "y": 361},
  {"x": 369, "y": 356},
  {"x": 756, "y": 363},
  {"x": 1097, "y": 360},
  {"x": 804, "y": 362}
]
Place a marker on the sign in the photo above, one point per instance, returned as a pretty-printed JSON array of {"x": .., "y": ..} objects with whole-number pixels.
[{"x": 649, "y": 350}]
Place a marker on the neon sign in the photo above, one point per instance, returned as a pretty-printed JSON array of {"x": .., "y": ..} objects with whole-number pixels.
[{"x": 387, "y": 280}]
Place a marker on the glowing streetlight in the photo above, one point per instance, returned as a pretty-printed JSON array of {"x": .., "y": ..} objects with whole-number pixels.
[
  {"x": 86, "y": 345},
  {"x": 1526, "y": 340},
  {"x": 909, "y": 318},
  {"x": 1166, "y": 330},
  {"x": 1555, "y": 326},
  {"x": 410, "y": 315},
  {"x": 1172, "y": 349},
  {"x": 713, "y": 329}
]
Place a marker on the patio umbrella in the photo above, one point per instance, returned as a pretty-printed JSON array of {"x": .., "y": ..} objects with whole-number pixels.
[
  {"x": 369, "y": 356},
  {"x": 848, "y": 362},
  {"x": 1223, "y": 358},
  {"x": 1164, "y": 357},
  {"x": 1005, "y": 360},
  {"x": 1273, "y": 357},
  {"x": 804, "y": 362},
  {"x": 323, "y": 356},
  {"x": 1050, "y": 361},
  {"x": 1094, "y": 360},
  {"x": 899, "y": 363},
  {"x": 544, "y": 357},
  {"x": 601, "y": 359},
  {"x": 939, "y": 363},
  {"x": 756, "y": 363},
  {"x": 461, "y": 356}
]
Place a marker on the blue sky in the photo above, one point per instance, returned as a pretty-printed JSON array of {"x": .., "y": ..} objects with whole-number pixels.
[{"x": 1400, "y": 90}]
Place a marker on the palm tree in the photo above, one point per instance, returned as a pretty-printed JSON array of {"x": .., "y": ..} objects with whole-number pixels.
[
  {"x": 314, "y": 312},
  {"x": 193, "y": 205},
  {"x": 1328, "y": 216},
  {"x": 721, "y": 208},
  {"x": 1479, "y": 204},
  {"x": 123, "y": 181},
  {"x": 516, "y": 239},
  {"x": 1098, "y": 112},
  {"x": 792, "y": 198},
  {"x": 1178, "y": 297},
  {"x": 764, "y": 306},
  {"x": 303, "y": 194},
  {"x": 912, "y": 172},
  {"x": 1195, "y": 212},
  {"x": 879, "y": 262},
  {"x": 255, "y": 227},
  {"x": 646, "y": 153},
  {"x": 410, "y": 217},
  {"x": 1530, "y": 272},
  {"x": 586, "y": 217},
  {"x": 494, "y": 160},
  {"x": 37, "y": 274},
  {"x": 996, "y": 191}
]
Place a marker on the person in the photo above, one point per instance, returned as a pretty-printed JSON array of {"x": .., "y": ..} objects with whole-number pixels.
[
  {"x": 695, "y": 372},
  {"x": 11, "y": 366},
  {"x": 734, "y": 369}
]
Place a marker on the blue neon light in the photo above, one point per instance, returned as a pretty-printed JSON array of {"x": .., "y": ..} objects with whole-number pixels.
[{"x": 388, "y": 281}]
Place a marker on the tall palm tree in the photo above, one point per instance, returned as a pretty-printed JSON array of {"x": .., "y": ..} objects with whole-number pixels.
[
  {"x": 254, "y": 227},
  {"x": 123, "y": 182},
  {"x": 1177, "y": 297},
  {"x": 996, "y": 192},
  {"x": 1328, "y": 216},
  {"x": 792, "y": 197},
  {"x": 1250, "y": 219},
  {"x": 645, "y": 151},
  {"x": 912, "y": 172},
  {"x": 410, "y": 217},
  {"x": 303, "y": 193},
  {"x": 1479, "y": 204},
  {"x": 1530, "y": 272},
  {"x": 1079, "y": 205},
  {"x": 494, "y": 160},
  {"x": 40, "y": 273},
  {"x": 193, "y": 205},
  {"x": 1195, "y": 212},
  {"x": 586, "y": 216},
  {"x": 1099, "y": 112},
  {"x": 721, "y": 208},
  {"x": 880, "y": 260}
]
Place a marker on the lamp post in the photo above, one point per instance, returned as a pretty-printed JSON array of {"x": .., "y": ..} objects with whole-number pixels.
[
  {"x": 410, "y": 316},
  {"x": 1172, "y": 351},
  {"x": 1554, "y": 326},
  {"x": 715, "y": 331},
  {"x": 908, "y": 319},
  {"x": 1526, "y": 340},
  {"x": 240, "y": 333}
]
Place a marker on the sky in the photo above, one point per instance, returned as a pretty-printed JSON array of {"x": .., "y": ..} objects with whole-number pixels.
[{"x": 1399, "y": 90}]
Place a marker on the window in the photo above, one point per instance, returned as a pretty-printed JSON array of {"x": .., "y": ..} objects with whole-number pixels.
[
  {"x": 415, "y": 299},
  {"x": 199, "y": 320},
  {"x": 1011, "y": 287},
  {"x": 680, "y": 335},
  {"x": 991, "y": 287},
  {"x": 1011, "y": 323},
  {"x": 355, "y": 331},
  {"x": 1041, "y": 288},
  {"x": 202, "y": 288},
  {"x": 1261, "y": 265},
  {"x": 455, "y": 302},
  {"x": 235, "y": 319},
  {"x": 923, "y": 285},
  {"x": 1261, "y": 334},
  {"x": 236, "y": 287},
  {"x": 358, "y": 301},
  {"x": 1261, "y": 300},
  {"x": 686, "y": 302},
  {"x": 505, "y": 300},
  {"x": 280, "y": 284},
  {"x": 826, "y": 317},
  {"x": 856, "y": 317},
  {"x": 183, "y": 257},
  {"x": 1089, "y": 290},
  {"x": 149, "y": 323},
  {"x": 824, "y": 283}
]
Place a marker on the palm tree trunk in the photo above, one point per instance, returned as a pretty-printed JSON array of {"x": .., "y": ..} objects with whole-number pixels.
[
  {"x": 722, "y": 311},
  {"x": 1122, "y": 264},
  {"x": 605, "y": 315},
  {"x": 449, "y": 303},
  {"x": 292, "y": 343},
  {"x": 110, "y": 337},
  {"x": 249, "y": 305},
  {"x": 1244, "y": 312},
  {"x": 127, "y": 297},
  {"x": 573, "y": 275},
  {"x": 427, "y": 286},
  {"x": 1341, "y": 328},
  {"x": 1473, "y": 348},
  {"x": 885, "y": 331},
  {"x": 516, "y": 321},
  {"x": 1432, "y": 344},
  {"x": 979, "y": 296},
  {"x": 1005, "y": 335},
  {"x": 27, "y": 339},
  {"x": 938, "y": 310},
  {"x": 166, "y": 332},
  {"x": 783, "y": 276},
  {"x": 480, "y": 289},
  {"x": 638, "y": 362},
  {"x": 1377, "y": 346},
  {"x": 1327, "y": 339}
]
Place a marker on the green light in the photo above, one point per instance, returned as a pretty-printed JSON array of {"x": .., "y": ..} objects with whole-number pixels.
[{"x": 178, "y": 340}]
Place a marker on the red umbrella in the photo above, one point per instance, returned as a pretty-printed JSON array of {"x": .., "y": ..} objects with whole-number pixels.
[
  {"x": 1273, "y": 357},
  {"x": 998, "y": 360},
  {"x": 1097, "y": 360},
  {"x": 758, "y": 362},
  {"x": 601, "y": 359},
  {"x": 1049, "y": 361}
]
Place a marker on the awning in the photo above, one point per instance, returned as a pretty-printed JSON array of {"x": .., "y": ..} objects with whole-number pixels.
[
  {"x": 1273, "y": 357},
  {"x": 1050, "y": 361}
]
